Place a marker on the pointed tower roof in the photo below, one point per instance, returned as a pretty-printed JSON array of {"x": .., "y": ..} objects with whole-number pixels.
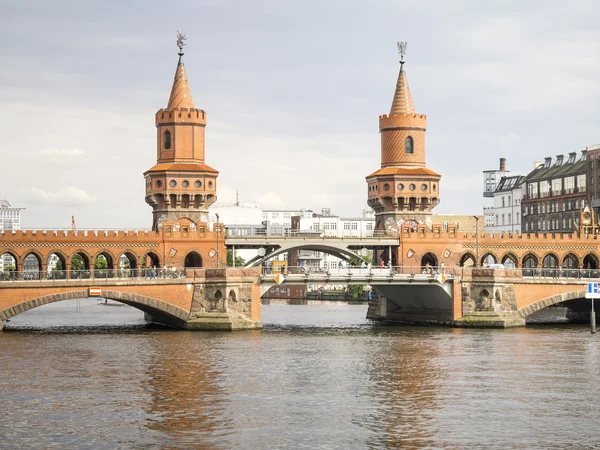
[
  {"x": 181, "y": 96},
  {"x": 402, "y": 103}
]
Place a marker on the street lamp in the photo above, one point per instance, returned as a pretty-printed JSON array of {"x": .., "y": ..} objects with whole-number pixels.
[
  {"x": 476, "y": 240},
  {"x": 218, "y": 249}
]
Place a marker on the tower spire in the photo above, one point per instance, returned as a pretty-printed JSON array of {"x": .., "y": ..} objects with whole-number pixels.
[
  {"x": 402, "y": 103},
  {"x": 181, "y": 96}
]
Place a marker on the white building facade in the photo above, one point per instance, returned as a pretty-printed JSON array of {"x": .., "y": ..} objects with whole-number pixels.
[
  {"x": 10, "y": 220},
  {"x": 505, "y": 214}
]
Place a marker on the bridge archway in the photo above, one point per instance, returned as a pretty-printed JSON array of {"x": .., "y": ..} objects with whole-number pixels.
[
  {"x": 80, "y": 265},
  {"x": 57, "y": 266},
  {"x": 429, "y": 258},
  {"x": 153, "y": 306},
  {"x": 489, "y": 258},
  {"x": 192, "y": 260},
  {"x": 32, "y": 265},
  {"x": 549, "y": 301},
  {"x": 103, "y": 262},
  {"x": 570, "y": 261},
  {"x": 590, "y": 261},
  {"x": 150, "y": 259},
  {"x": 510, "y": 260},
  {"x": 529, "y": 264},
  {"x": 10, "y": 261},
  {"x": 467, "y": 260},
  {"x": 127, "y": 261}
]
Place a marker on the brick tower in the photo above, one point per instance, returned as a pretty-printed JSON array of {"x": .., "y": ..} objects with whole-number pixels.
[
  {"x": 180, "y": 186},
  {"x": 404, "y": 189}
]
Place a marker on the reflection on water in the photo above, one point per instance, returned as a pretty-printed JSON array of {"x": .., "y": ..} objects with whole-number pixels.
[{"x": 318, "y": 376}]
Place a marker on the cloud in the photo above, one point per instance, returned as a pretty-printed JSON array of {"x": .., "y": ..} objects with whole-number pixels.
[
  {"x": 60, "y": 153},
  {"x": 67, "y": 196},
  {"x": 270, "y": 200}
]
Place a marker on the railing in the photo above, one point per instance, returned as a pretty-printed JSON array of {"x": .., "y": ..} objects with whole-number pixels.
[
  {"x": 306, "y": 273},
  {"x": 359, "y": 234},
  {"x": 97, "y": 274}
]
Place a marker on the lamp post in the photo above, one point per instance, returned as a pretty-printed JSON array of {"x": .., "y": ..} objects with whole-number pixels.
[
  {"x": 218, "y": 249},
  {"x": 476, "y": 240}
]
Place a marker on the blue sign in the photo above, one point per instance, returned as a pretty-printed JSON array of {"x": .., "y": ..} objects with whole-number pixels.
[{"x": 592, "y": 288}]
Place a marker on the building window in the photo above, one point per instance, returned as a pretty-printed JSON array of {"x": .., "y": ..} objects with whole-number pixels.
[
  {"x": 369, "y": 226},
  {"x": 408, "y": 145},
  {"x": 354, "y": 225},
  {"x": 509, "y": 217},
  {"x": 275, "y": 215},
  {"x": 444, "y": 226},
  {"x": 167, "y": 140},
  {"x": 503, "y": 205},
  {"x": 497, "y": 222},
  {"x": 286, "y": 215},
  {"x": 265, "y": 215}
]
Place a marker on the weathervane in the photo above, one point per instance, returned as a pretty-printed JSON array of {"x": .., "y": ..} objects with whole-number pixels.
[
  {"x": 402, "y": 51},
  {"x": 180, "y": 43}
]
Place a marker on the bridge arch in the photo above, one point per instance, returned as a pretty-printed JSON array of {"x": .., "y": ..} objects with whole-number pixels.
[
  {"x": 153, "y": 306},
  {"x": 549, "y": 301},
  {"x": 510, "y": 260},
  {"x": 55, "y": 270},
  {"x": 550, "y": 260},
  {"x": 14, "y": 256},
  {"x": 32, "y": 261},
  {"x": 467, "y": 260},
  {"x": 429, "y": 258},
  {"x": 344, "y": 254},
  {"x": 570, "y": 261},
  {"x": 110, "y": 259},
  {"x": 590, "y": 261},
  {"x": 85, "y": 259},
  {"x": 193, "y": 260},
  {"x": 489, "y": 258}
]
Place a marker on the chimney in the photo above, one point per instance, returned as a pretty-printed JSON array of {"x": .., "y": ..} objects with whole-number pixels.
[{"x": 503, "y": 164}]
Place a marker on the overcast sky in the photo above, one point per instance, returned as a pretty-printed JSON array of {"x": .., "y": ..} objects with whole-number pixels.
[{"x": 292, "y": 90}]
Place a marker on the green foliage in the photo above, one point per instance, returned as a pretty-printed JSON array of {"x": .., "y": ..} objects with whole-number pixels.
[
  {"x": 356, "y": 290},
  {"x": 10, "y": 268},
  {"x": 77, "y": 263},
  {"x": 59, "y": 266},
  {"x": 101, "y": 263},
  {"x": 239, "y": 261}
]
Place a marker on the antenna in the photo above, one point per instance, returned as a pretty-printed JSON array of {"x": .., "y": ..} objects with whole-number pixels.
[{"x": 237, "y": 197}]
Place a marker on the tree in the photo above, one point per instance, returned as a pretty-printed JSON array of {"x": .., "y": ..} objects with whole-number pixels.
[
  {"x": 239, "y": 261},
  {"x": 101, "y": 262},
  {"x": 77, "y": 262},
  {"x": 10, "y": 268},
  {"x": 356, "y": 290}
]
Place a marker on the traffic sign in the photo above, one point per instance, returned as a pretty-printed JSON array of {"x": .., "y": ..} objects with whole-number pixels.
[{"x": 592, "y": 290}]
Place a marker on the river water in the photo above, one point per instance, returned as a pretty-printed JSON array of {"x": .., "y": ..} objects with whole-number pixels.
[{"x": 79, "y": 374}]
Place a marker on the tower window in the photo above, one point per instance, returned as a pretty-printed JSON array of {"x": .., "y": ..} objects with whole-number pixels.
[
  {"x": 408, "y": 145},
  {"x": 167, "y": 140}
]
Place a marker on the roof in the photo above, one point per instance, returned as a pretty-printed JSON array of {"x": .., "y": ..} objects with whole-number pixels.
[
  {"x": 565, "y": 169},
  {"x": 181, "y": 96},
  {"x": 182, "y": 167},
  {"x": 402, "y": 103},
  {"x": 509, "y": 183},
  {"x": 404, "y": 171},
  {"x": 4, "y": 204}
]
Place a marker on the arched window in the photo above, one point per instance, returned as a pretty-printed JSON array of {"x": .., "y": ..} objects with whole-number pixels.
[
  {"x": 408, "y": 145},
  {"x": 167, "y": 140}
]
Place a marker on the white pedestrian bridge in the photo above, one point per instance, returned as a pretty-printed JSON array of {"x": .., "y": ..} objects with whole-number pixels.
[{"x": 344, "y": 247}]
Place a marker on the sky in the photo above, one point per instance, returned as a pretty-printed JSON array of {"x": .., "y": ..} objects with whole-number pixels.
[{"x": 292, "y": 90}]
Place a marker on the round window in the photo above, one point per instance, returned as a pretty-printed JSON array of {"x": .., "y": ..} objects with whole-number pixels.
[
  {"x": 400, "y": 186},
  {"x": 197, "y": 183},
  {"x": 423, "y": 187},
  {"x": 172, "y": 183},
  {"x": 158, "y": 183},
  {"x": 386, "y": 187},
  {"x": 185, "y": 183},
  {"x": 412, "y": 187}
]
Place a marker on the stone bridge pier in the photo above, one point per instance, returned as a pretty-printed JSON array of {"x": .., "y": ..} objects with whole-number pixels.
[{"x": 483, "y": 298}]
